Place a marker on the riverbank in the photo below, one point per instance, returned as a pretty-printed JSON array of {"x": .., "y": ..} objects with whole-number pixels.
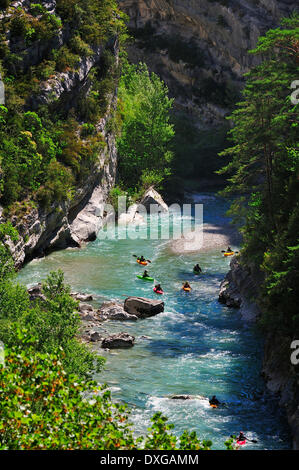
[
  {"x": 239, "y": 289},
  {"x": 206, "y": 238}
]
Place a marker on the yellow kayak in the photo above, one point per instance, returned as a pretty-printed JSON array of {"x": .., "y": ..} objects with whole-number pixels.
[{"x": 229, "y": 253}]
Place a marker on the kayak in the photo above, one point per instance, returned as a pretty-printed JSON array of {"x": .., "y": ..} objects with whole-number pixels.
[
  {"x": 146, "y": 278},
  {"x": 229, "y": 253},
  {"x": 144, "y": 263},
  {"x": 196, "y": 272},
  {"x": 158, "y": 291},
  {"x": 213, "y": 406},
  {"x": 241, "y": 443},
  {"x": 186, "y": 289}
]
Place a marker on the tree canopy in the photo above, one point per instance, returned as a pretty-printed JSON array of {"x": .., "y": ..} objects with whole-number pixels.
[{"x": 264, "y": 172}]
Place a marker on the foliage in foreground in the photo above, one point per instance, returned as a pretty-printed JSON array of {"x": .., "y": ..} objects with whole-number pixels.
[
  {"x": 53, "y": 321},
  {"x": 43, "y": 407},
  {"x": 264, "y": 171}
]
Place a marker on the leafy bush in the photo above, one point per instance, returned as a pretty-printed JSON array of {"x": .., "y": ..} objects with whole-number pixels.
[
  {"x": 53, "y": 321},
  {"x": 114, "y": 194},
  {"x": 58, "y": 184},
  {"x": 65, "y": 59},
  {"x": 42, "y": 407},
  {"x": 79, "y": 47}
]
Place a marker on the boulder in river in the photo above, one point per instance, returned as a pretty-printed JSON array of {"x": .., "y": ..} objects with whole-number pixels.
[
  {"x": 115, "y": 311},
  {"x": 118, "y": 340},
  {"x": 88, "y": 313},
  {"x": 142, "y": 307},
  {"x": 181, "y": 397},
  {"x": 153, "y": 201},
  {"x": 95, "y": 336}
]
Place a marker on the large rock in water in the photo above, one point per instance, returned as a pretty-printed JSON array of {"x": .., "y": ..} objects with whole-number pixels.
[
  {"x": 142, "y": 307},
  {"x": 153, "y": 201},
  {"x": 119, "y": 340},
  {"x": 114, "y": 311}
]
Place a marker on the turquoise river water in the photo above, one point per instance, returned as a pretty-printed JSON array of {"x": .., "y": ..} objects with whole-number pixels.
[{"x": 197, "y": 346}]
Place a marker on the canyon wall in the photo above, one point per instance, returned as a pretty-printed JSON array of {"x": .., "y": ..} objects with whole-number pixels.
[
  {"x": 199, "y": 47},
  {"x": 78, "y": 218}
]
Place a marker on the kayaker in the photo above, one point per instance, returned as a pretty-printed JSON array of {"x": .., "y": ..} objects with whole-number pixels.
[
  {"x": 186, "y": 285},
  {"x": 229, "y": 250},
  {"x": 197, "y": 269},
  {"x": 158, "y": 287},
  {"x": 142, "y": 259},
  {"x": 241, "y": 437},
  {"x": 214, "y": 401},
  {"x": 145, "y": 274}
]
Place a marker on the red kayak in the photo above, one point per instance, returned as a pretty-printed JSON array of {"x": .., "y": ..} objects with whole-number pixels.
[
  {"x": 157, "y": 291},
  {"x": 241, "y": 443}
]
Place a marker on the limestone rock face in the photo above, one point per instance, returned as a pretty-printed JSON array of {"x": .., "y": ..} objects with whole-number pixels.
[
  {"x": 281, "y": 379},
  {"x": 239, "y": 290},
  {"x": 199, "y": 47},
  {"x": 142, "y": 307}
]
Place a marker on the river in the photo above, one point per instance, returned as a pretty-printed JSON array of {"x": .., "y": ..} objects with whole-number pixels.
[{"x": 197, "y": 346}]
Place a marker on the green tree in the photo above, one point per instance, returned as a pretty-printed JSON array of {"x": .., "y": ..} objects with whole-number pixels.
[
  {"x": 263, "y": 173},
  {"x": 146, "y": 131}
]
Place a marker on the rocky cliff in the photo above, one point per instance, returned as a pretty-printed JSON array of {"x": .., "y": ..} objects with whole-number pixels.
[
  {"x": 69, "y": 223},
  {"x": 199, "y": 47},
  {"x": 240, "y": 289},
  {"x": 75, "y": 219}
]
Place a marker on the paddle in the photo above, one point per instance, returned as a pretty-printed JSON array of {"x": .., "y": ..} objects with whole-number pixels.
[
  {"x": 246, "y": 439},
  {"x": 224, "y": 251},
  {"x": 148, "y": 260}
]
